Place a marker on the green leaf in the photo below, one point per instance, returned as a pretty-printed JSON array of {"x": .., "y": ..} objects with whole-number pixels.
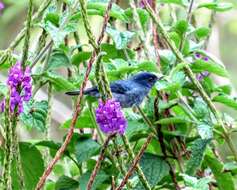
[
  {"x": 53, "y": 18},
  {"x": 154, "y": 168},
  {"x": 176, "y": 82},
  {"x": 205, "y": 131},
  {"x": 226, "y": 100},
  {"x": 198, "y": 148},
  {"x": 224, "y": 179},
  {"x": 121, "y": 39},
  {"x": 181, "y": 26},
  {"x": 99, "y": 8},
  {"x": 143, "y": 15},
  {"x": 201, "y": 108},
  {"x": 173, "y": 120},
  {"x": 202, "y": 32},
  {"x": 35, "y": 114},
  {"x": 179, "y": 2},
  {"x": 113, "y": 53},
  {"x": 136, "y": 130},
  {"x": 58, "y": 32},
  {"x": 32, "y": 164},
  {"x": 58, "y": 59},
  {"x": 3, "y": 91},
  {"x": 66, "y": 183},
  {"x": 84, "y": 121},
  {"x": 99, "y": 180},
  {"x": 80, "y": 57},
  {"x": 196, "y": 184},
  {"x": 216, "y": 6},
  {"x": 201, "y": 65},
  {"x": 85, "y": 149},
  {"x": 59, "y": 82}
]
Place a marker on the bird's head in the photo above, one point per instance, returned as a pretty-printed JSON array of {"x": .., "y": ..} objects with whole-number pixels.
[{"x": 145, "y": 79}]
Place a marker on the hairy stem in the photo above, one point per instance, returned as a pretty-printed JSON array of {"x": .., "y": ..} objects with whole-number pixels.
[
  {"x": 7, "y": 179},
  {"x": 27, "y": 35},
  {"x": 38, "y": 14},
  {"x": 76, "y": 114},
  {"x": 99, "y": 161},
  {"x": 192, "y": 77},
  {"x": 135, "y": 164}
]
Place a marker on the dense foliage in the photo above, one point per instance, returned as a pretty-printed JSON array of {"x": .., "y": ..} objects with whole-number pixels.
[{"x": 170, "y": 141}]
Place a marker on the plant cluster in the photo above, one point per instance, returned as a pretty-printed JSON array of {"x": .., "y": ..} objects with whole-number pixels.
[{"x": 170, "y": 141}]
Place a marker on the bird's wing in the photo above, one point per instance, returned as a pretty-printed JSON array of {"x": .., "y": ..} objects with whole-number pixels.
[{"x": 120, "y": 87}]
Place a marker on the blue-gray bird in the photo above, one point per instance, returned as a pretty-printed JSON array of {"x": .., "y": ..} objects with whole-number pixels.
[{"x": 128, "y": 92}]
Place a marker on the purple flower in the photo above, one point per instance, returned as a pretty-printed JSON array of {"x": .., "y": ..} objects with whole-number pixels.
[
  {"x": 142, "y": 3},
  {"x": 205, "y": 59},
  {"x": 110, "y": 117},
  {"x": 2, "y": 105},
  {"x": 1, "y": 6},
  {"x": 20, "y": 86},
  {"x": 198, "y": 55}
]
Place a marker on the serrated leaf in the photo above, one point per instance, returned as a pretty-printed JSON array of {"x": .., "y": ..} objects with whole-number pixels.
[
  {"x": 226, "y": 100},
  {"x": 85, "y": 149},
  {"x": 196, "y": 184},
  {"x": 99, "y": 179},
  {"x": 66, "y": 183},
  {"x": 121, "y": 39},
  {"x": 205, "y": 131},
  {"x": 201, "y": 65},
  {"x": 35, "y": 114},
  {"x": 201, "y": 108},
  {"x": 154, "y": 168},
  {"x": 58, "y": 59},
  {"x": 224, "y": 179},
  {"x": 198, "y": 148},
  {"x": 216, "y": 6}
]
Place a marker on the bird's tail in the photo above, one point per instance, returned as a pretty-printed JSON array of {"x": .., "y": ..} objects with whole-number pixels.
[{"x": 73, "y": 93}]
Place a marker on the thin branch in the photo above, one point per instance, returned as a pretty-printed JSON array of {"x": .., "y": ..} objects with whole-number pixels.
[
  {"x": 76, "y": 114},
  {"x": 38, "y": 14},
  {"x": 135, "y": 162},
  {"x": 193, "y": 79},
  {"x": 27, "y": 35},
  {"x": 131, "y": 154},
  {"x": 99, "y": 161}
]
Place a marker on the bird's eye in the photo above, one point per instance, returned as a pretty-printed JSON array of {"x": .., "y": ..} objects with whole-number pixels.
[{"x": 150, "y": 79}]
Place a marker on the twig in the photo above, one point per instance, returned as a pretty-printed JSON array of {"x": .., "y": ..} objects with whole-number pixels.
[
  {"x": 193, "y": 79},
  {"x": 43, "y": 51},
  {"x": 98, "y": 163},
  {"x": 27, "y": 35},
  {"x": 76, "y": 114},
  {"x": 6, "y": 175},
  {"x": 135, "y": 163},
  {"x": 163, "y": 147},
  {"x": 38, "y": 14},
  {"x": 140, "y": 173}
]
